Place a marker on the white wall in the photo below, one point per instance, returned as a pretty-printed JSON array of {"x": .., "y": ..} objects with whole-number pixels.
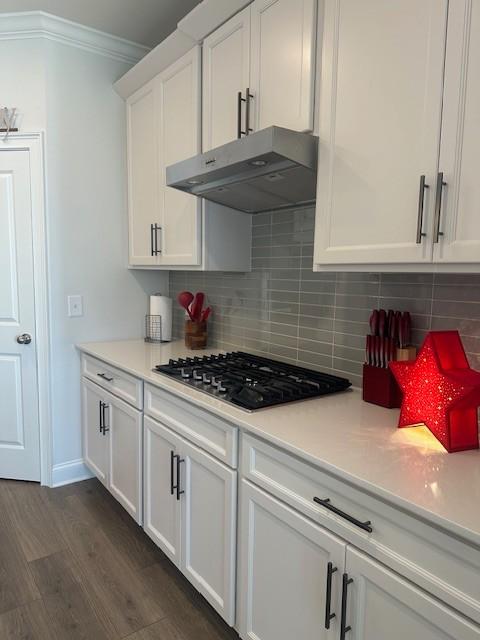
[{"x": 68, "y": 93}]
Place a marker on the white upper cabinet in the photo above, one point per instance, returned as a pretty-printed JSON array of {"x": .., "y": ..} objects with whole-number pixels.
[
  {"x": 457, "y": 222},
  {"x": 269, "y": 50},
  {"x": 164, "y": 127},
  {"x": 283, "y": 63},
  {"x": 179, "y": 137},
  {"x": 379, "y": 127},
  {"x": 226, "y": 72},
  {"x": 143, "y": 186}
]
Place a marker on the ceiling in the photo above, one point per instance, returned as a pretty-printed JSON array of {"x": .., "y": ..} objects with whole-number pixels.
[{"x": 146, "y": 22}]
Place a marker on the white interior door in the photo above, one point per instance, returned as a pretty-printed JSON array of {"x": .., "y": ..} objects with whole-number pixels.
[
  {"x": 19, "y": 422},
  {"x": 457, "y": 228},
  {"x": 125, "y": 437},
  {"x": 226, "y": 71},
  {"x": 209, "y": 515},
  {"x": 161, "y": 518},
  {"x": 382, "y": 605},
  {"x": 179, "y": 109},
  {"x": 283, "y": 63},
  {"x": 284, "y": 568},
  {"x": 379, "y": 126}
]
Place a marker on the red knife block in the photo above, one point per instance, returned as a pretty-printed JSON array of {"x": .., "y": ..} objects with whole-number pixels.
[{"x": 380, "y": 387}]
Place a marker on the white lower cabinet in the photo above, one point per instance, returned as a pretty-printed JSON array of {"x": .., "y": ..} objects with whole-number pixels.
[
  {"x": 190, "y": 512},
  {"x": 94, "y": 445},
  {"x": 298, "y": 580},
  {"x": 113, "y": 445},
  {"x": 161, "y": 508},
  {"x": 286, "y": 561},
  {"x": 381, "y": 604}
]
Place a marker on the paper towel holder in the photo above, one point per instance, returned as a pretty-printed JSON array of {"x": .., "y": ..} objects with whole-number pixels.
[{"x": 153, "y": 329}]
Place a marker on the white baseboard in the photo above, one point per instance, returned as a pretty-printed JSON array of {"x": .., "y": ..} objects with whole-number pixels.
[{"x": 68, "y": 472}]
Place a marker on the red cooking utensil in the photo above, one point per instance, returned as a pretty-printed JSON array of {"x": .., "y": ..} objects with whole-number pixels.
[
  {"x": 184, "y": 299},
  {"x": 196, "y": 308},
  {"x": 205, "y": 313}
]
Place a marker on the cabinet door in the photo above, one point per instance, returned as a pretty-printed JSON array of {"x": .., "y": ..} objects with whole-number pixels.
[
  {"x": 179, "y": 138},
  {"x": 283, "y": 63},
  {"x": 143, "y": 184},
  {"x": 379, "y": 125},
  {"x": 458, "y": 219},
  {"x": 283, "y": 572},
  {"x": 94, "y": 441},
  {"x": 124, "y": 425},
  {"x": 226, "y": 71},
  {"x": 209, "y": 528},
  {"x": 382, "y": 605},
  {"x": 161, "y": 518}
]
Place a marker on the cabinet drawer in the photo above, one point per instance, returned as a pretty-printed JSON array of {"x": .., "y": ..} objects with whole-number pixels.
[
  {"x": 117, "y": 382},
  {"x": 444, "y": 565},
  {"x": 218, "y": 437}
]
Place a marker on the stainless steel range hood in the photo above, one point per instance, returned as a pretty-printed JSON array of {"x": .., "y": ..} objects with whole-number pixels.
[{"x": 268, "y": 170}]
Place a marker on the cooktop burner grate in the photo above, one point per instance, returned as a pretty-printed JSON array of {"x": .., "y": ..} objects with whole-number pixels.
[{"x": 251, "y": 382}]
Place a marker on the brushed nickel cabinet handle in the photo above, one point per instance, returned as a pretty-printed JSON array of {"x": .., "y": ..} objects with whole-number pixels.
[
  {"x": 438, "y": 206},
  {"x": 240, "y": 99},
  {"x": 421, "y": 203},
  {"x": 248, "y": 97}
]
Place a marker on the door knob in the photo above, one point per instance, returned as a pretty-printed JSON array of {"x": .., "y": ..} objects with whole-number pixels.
[{"x": 25, "y": 338}]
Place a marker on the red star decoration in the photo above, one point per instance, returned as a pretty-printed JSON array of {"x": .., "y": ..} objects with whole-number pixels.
[{"x": 441, "y": 391}]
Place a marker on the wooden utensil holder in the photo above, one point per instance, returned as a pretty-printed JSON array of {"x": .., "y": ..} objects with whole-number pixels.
[
  {"x": 196, "y": 334},
  {"x": 380, "y": 387},
  {"x": 405, "y": 354}
]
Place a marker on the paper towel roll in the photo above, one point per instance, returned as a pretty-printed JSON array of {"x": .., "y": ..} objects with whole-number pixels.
[{"x": 162, "y": 306}]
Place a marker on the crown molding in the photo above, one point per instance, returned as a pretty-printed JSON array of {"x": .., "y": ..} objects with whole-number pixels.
[
  {"x": 38, "y": 24},
  {"x": 164, "y": 54},
  {"x": 208, "y": 16}
]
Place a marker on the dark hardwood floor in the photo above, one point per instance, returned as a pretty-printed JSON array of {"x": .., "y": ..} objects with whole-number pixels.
[{"x": 74, "y": 566}]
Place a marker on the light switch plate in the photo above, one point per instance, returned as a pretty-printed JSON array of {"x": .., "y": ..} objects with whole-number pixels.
[{"x": 75, "y": 306}]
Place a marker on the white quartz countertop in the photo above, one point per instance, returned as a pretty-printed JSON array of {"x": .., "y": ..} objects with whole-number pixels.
[{"x": 355, "y": 441}]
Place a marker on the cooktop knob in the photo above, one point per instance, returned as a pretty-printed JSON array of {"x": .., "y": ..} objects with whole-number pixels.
[{"x": 185, "y": 373}]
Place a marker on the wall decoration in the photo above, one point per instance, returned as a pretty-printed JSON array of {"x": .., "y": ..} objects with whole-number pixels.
[
  {"x": 8, "y": 118},
  {"x": 441, "y": 391}
]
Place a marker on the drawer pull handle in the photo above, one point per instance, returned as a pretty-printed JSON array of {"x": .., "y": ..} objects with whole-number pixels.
[
  {"x": 328, "y": 615},
  {"x": 343, "y": 623},
  {"x": 366, "y": 526},
  {"x": 104, "y": 377}
]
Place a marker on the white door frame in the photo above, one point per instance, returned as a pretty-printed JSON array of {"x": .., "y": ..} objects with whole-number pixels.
[{"x": 34, "y": 144}]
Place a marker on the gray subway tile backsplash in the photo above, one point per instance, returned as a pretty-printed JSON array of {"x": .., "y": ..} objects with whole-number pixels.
[{"x": 284, "y": 310}]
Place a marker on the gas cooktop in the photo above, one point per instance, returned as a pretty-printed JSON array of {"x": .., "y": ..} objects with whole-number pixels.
[{"x": 251, "y": 382}]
